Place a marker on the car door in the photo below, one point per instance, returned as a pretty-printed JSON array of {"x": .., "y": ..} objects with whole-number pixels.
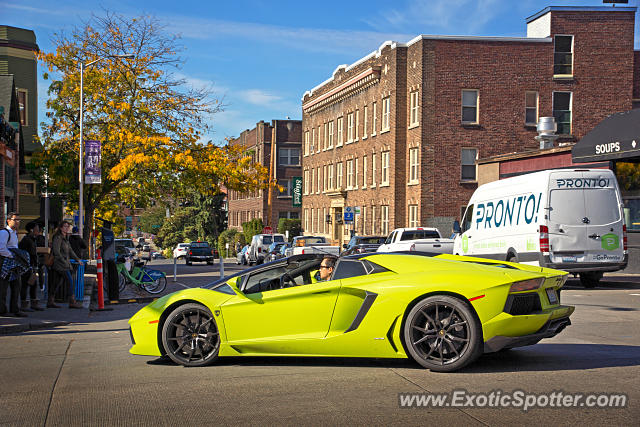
[{"x": 298, "y": 312}]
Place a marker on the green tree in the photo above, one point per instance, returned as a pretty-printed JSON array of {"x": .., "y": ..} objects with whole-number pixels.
[
  {"x": 152, "y": 219},
  {"x": 251, "y": 228},
  {"x": 293, "y": 226},
  {"x": 149, "y": 122}
]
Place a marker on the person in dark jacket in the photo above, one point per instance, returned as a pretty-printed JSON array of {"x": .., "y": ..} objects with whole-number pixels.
[
  {"x": 28, "y": 244},
  {"x": 62, "y": 253},
  {"x": 77, "y": 244}
]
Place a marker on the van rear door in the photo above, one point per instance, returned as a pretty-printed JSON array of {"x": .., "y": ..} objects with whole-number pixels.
[{"x": 584, "y": 217}]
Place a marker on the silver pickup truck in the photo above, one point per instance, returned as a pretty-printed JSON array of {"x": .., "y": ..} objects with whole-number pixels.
[{"x": 420, "y": 239}]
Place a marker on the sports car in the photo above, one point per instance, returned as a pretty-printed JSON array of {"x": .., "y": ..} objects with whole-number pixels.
[{"x": 443, "y": 311}]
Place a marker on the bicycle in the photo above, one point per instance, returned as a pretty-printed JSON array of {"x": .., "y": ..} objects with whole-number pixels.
[{"x": 152, "y": 281}]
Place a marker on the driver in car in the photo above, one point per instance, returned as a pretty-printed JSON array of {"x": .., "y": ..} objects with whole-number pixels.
[{"x": 326, "y": 269}]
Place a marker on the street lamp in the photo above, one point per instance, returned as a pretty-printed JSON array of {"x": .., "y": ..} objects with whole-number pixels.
[{"x": 81, "y": 161}]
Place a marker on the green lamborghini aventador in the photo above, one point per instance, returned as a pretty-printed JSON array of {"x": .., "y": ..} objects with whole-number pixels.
[{"x": 443, "y": 311}]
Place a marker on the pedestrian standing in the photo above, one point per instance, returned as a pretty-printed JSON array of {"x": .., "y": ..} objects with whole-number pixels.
[
  {"x": 62, "y": 253},
  {"x": 28, "y": 244},
  {"x": 8, "y": 279}
]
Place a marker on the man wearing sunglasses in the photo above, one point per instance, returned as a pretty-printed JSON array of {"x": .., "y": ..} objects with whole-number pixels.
[{"x": 326, "y": 268}]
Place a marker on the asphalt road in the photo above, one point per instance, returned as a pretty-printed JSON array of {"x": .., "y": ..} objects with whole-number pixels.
[{"x": 82, "y": 374}]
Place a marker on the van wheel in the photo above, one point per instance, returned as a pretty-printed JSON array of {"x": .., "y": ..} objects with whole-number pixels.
[
  {"x": 512, "y": 258},
  {"x": 590, "y": 279}
]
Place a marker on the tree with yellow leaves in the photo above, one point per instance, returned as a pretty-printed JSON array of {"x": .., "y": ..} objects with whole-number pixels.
[{"x": 149, "y": 123}]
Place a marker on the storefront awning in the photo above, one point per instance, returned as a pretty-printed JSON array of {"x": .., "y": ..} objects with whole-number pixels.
[{"x": 615, "y": 138}]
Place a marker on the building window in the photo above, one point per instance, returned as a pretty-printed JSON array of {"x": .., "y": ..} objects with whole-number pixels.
[
  {"x": 374, "y": 224},
  {"x": 330, "y": 179},
  {"x": 339, "y": 175},
  {"x": 562, "y": 111},
  {"x": 330, "y": 145},
  {"x": 365, "y": 121},
  {"x": 384, "y": 217},
  {"x": 319, "y": 181},
  {"x": 563, "y": 56},
  {"x": 350, "y": 127},
  {"x": 364, "y": 220},
  {"x": 413, "y": 115},
  {"x": 386, "y": 113},
  {"x": 364, "y": 172},
  {"x": 469, "y": 156},
  {"x": 319, "y": 135},
  {"x": 357, "y": 126},
  {"x": 306, "y": 143},
  {"x": 349, "y": 174},
  {"x": 286, "y": 188},
  {"x": 313, "y": 181},
  {"x": 289, "y": 157},
  {"x": 326, "y": 136},
  {"x": 320, "y": 220},
  {"x": 313, "y": 140},
  {"x": 531, "y": 107},
  {"x": 355, "y": 173},
  {"x": 22, "y": 106},
  {"x": 413, "y": 165},
  {"x": 413, "y": 216},
  {"x": 374, "y": 171},
  {"x": 306, "y": 182},
  {"x": 324, "y": 176},
  {"x": 374, "y": 120},
  {"x": 324, "y": 220},
  {"x": 306, "y": 220},
  {"x": 27, "y": 188},
  {"x": 340, "y": 140},
  {"x": 385, "y": 168},
  {"x": 288, "y": 215},
  {"x": 311, "y": 221},
  {"x": 470, "y": 106}
]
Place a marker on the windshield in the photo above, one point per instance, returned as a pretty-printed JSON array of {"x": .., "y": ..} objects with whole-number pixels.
[
  {"x": 199, "y": 245},
  {"x": 419, "y": 234},
  {"x": 278, "y": 238},
  {"x": 371, "y": 240},
  {"x": 266, "y": 240},
  {"x": 125, "y": 242}
]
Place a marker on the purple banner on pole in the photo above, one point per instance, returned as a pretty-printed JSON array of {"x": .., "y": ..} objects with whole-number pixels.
[{"x": 92, "y": 159}]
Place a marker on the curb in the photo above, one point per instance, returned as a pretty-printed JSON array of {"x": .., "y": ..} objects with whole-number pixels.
[
  {"x": 140, "y": 300},
  {"x": 44, "y": 324}
]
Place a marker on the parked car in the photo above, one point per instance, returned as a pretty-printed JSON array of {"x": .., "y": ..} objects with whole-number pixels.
[
  {"x": 146, "y": 247},
  {"x": 181, "y": 250},
  {"x": 300, "y": 241},
  {"x": 273, "y": 252},
  {"x": 418, "y": 239},
  {"x": 156, "y": 255},
  {"x": 259, "y": 245},
  {"x": 241, "y": 257},
  {"x": 127, "y": 243},
  {"x": 313, "y": 244},
  {"x": 200, "y": 252},
  {"x": 362, "y": 244}
]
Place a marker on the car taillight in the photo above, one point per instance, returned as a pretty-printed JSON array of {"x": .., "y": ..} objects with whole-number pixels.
[
  {"x": 190, "y": 253},
  {"x": 624, "y": 237},
  {"x": 544, "y": 238},
  {"x": 526, "y": 285},
  {"x": 259, "y": 250}
]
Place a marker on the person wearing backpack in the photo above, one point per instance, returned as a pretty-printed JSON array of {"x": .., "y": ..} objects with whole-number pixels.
[
  {"x": 62, "y": 252},
  {"x": 8, "y": 278},
  {"x": 30, "y": 278}
]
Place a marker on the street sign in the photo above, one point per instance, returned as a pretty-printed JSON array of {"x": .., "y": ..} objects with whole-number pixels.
[
  {"x": 356, "y": 210},
  {"x": 348, "y": 214},
  {"x": 297, "y": 191},
  {"x": 267, "y": 230}
]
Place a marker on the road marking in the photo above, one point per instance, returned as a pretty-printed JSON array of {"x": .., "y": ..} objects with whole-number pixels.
[
  {"x": 637, "y": 295},
  {"x": 183, "y": 285}
]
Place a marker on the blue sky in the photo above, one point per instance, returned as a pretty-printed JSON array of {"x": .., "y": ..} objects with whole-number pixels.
[{"x": 261, "y": 56}]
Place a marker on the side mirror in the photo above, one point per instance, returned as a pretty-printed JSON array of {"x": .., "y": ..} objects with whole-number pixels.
[{"x": 456, "y": 227}]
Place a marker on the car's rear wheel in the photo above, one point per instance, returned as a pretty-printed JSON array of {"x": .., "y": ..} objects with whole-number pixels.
[
  {"x": 442, "y": 334},
  {"x": 190, "y": 336}
]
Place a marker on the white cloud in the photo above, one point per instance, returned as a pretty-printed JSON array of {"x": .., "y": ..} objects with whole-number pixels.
[
  {"x": 259, "y": 97},
  {"x": 439, "y": 16},
  {"x": 305, "y": 39}
]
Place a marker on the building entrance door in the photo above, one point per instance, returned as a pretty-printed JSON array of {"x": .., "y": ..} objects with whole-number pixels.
[{"x": 337, "y": 224}]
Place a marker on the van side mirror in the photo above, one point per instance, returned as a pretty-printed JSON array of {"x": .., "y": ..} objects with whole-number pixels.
[{"x": 456, "y": 227}]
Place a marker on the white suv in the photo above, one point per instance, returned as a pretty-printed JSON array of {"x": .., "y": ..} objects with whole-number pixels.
[{"x": 180, "y": 250}]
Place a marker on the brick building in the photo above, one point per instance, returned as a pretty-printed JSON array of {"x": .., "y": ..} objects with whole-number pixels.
[
  {"x": 10, "y": 144},
  {"x": 398, "y": 133},
  {"x": 244, "y": 207}
]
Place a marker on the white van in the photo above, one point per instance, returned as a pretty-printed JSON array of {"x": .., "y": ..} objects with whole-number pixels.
[{"x": 568, "y": 219}]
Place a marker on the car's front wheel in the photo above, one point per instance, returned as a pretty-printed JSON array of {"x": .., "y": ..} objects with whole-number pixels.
[
  {"x": 442, "y": 334},
  {"x": 190, "y": 336}
]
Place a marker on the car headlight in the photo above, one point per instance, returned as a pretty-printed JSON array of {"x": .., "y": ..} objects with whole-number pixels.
[{"x": 526, "y": 285}]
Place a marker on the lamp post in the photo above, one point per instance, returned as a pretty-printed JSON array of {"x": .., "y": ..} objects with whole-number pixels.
[{"x": 81, "y": 160}]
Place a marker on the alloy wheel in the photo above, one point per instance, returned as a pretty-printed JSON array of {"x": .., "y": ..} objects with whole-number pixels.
[{"x": 190, "y": 336}]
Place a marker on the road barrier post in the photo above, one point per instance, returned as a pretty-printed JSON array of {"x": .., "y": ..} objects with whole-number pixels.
[{"x": 100, "y": 282}]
